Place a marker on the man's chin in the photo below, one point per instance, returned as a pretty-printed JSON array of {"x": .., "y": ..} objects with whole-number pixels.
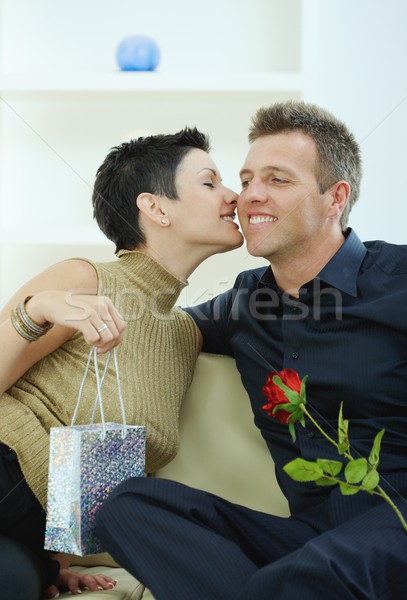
[{"x": 255, "y": 250}]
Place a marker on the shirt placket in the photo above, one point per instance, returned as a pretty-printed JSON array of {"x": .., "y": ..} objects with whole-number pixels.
[{"x": 295, "y": 313}]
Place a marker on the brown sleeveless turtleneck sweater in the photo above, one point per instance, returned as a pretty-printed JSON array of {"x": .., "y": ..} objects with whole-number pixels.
[{"x": 156, "y": 359}]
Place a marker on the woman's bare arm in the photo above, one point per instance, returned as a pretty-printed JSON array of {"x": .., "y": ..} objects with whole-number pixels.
[{"x": 65, "y": 295}]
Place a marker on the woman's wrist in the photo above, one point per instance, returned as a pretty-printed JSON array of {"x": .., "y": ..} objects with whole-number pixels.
[
  {"x": 25, "y": 325},
  {"x": 34, "y": 307}
]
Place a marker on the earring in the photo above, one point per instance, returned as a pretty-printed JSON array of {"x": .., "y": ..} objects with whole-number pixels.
[{"x": 164, "y": 221}]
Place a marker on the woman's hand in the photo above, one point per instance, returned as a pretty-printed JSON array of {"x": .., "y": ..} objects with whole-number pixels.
[
  {"x": 94, "y": 316},
  {"x": 79, "y": 309},
  {"x": 75, "y": 582}
]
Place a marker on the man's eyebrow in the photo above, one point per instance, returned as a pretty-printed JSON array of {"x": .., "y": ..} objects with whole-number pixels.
[{"x": 268, "y": 169}]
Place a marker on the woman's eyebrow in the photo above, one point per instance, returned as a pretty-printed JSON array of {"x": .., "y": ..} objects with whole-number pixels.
[{"x": 208, "y": 169}]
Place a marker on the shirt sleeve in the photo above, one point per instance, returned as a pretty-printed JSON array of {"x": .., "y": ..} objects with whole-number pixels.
[{"x": 212, "y": 318}]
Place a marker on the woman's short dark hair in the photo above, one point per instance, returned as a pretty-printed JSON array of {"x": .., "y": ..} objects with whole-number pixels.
[{"x": 147, "y": 164}]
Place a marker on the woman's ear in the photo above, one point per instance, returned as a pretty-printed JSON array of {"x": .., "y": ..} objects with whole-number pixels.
[
  {"x": 150, "y": 206},
  {"x": 339, "y": 194}
]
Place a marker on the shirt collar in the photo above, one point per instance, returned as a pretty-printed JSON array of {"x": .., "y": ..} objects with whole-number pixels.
[{"x": 341, "y": 271}]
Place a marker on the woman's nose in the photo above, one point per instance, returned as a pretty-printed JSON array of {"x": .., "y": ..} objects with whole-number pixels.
[{"x": 230, "y": 196}]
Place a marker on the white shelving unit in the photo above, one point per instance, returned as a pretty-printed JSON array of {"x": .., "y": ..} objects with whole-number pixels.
[
  {"x": 64, "y": 104},
  {"x": 120, "y": 81}
]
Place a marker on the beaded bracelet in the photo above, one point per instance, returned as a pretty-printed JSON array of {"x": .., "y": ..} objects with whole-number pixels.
[{"x": 25, "y": 326}]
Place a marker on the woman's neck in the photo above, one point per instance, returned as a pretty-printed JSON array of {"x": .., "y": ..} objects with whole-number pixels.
[{"x": 180, "y": 262}]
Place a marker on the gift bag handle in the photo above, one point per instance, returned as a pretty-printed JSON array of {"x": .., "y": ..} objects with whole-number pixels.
[{"x": 99, "y": 384}]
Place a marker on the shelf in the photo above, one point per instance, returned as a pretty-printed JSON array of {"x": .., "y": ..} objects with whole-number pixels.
[
  {"x": 65, "y": 103},
  {"x": 131, "y": 81},
  {"x": 53, "y": 235}
]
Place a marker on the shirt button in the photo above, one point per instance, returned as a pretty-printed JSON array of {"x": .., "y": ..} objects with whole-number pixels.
[
  {"x": 295, "y": 355},
  {"x": 310, "y": 434},
  {"x": 294, "y": 308}
]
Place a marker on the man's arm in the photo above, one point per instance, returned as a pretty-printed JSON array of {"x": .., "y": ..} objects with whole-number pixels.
[{"x": 211, "y": 319}]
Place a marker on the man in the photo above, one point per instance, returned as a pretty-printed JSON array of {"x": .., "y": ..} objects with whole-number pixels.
[{"x": 329, "y": 307}]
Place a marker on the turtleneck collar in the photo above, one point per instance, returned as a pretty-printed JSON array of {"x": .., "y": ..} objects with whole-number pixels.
[{"x": 161, "y": 286}]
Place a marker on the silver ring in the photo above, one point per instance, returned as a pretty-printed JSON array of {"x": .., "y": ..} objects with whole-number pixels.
[{"x": 104, "y": 326}]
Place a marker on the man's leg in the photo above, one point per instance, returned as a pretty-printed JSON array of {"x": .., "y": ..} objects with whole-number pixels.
[
  {"x": 362, "y": 559},
  {"x": 22, "y": 520},
  {"x": 20, "y": 572},
  {"x": 184, "y": 543}
]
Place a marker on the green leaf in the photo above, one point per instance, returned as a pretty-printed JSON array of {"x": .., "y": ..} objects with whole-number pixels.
[
  {"x": 375, "y": 453},
  {"x": 343, "y": 437},
  {"x": 347, "y": 490},
  {"x": 343, "y": 448},
  {"x": 371, "y": 480},
  {"x": 300, "y": 469},
  {"x": 330, "y": 467},
  {"x": 342, "y": 423},
  {"x": 297, "y": 416},
  {"x": 325, "y": 481},
  {"x": 287, "y": 407},
  {"x": 303, "y": 396},
  {"x": 291, "y": 429},
  {"x": 356, "y": 470},
  {"x": 290, "y": 394}
]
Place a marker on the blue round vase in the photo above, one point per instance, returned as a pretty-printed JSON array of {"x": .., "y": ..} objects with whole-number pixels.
[{"x": 137, "y": 53}]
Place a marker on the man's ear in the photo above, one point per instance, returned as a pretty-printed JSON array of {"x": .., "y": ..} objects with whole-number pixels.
[
  {"x": 150, "y": 206},
  {"x": 339, "y": 193}
]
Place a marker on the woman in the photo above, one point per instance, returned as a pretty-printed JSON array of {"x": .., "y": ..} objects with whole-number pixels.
[{"x": 161, "y": 201}]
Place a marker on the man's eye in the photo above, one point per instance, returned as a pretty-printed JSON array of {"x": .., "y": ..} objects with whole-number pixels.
[
  {"x": 245, "y": 184},
  {"x": 278, "y": 180}
]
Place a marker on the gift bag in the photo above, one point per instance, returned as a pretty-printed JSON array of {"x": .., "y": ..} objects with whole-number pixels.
[{"x": 86, "y": 463}]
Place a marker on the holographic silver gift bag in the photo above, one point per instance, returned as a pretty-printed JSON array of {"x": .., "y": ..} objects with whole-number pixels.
[{"x": 86, "y": 463}]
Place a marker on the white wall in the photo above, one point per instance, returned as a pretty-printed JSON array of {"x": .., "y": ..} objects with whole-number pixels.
[
  {"x": 52, "y": 143},
  {"x": 355, "y": 54},
  {"x": 215, "y": 35}
]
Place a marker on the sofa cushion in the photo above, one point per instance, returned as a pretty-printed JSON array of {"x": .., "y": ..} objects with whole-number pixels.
[{"x": 221, "y": 450}]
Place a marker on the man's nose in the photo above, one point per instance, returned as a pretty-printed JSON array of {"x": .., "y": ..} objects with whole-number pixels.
[{"x": 254, "y": 192}]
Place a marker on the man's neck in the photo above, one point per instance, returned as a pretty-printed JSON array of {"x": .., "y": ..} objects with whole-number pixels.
[{"x": 292, "y": 272}]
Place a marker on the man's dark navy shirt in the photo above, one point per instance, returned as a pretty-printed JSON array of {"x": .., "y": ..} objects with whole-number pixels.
[{"x": 347, "y": 331}]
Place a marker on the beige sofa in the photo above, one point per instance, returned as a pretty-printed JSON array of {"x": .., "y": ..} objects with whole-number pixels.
[{"x": 221, "y": 451}]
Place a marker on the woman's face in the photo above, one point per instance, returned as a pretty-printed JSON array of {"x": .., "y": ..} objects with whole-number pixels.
[{"x": 204, "y": 212}]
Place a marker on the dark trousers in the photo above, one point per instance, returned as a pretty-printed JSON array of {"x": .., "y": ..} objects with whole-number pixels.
[
  {"x": 26, "y": 569},
  {"x": 183, "y": 543},
  {"x": 20, "y": 571}
]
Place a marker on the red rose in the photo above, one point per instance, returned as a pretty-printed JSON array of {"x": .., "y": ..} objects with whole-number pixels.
[{"x": 275, "y": 395}]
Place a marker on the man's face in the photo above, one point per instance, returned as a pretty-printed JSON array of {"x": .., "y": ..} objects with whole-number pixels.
[{"x": 280, "y": 208}]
